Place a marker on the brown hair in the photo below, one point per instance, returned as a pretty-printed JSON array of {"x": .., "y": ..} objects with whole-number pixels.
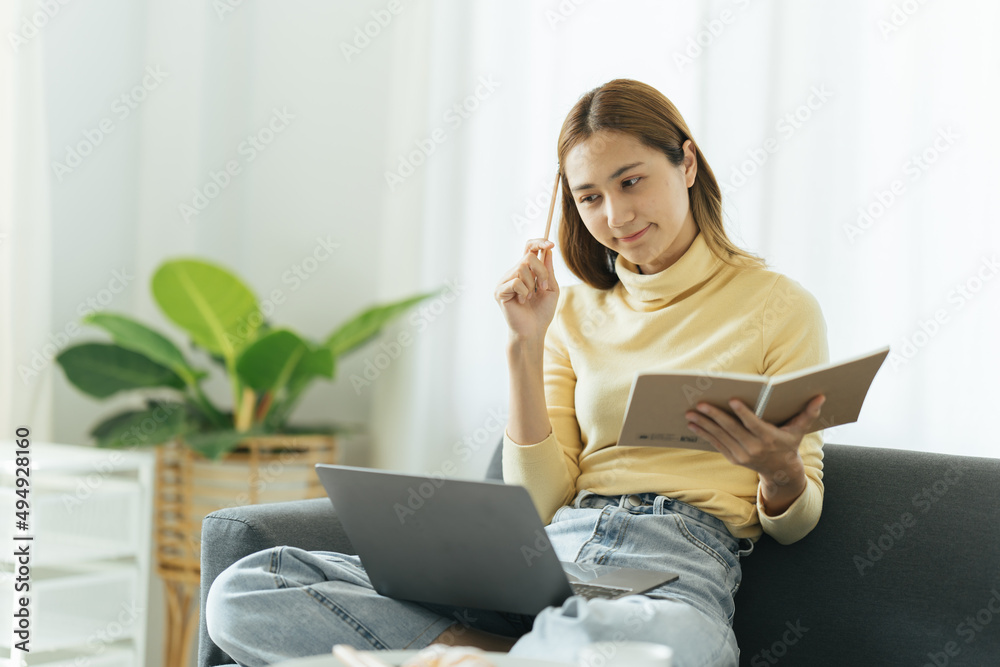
[{"x": 638, "y": 109}]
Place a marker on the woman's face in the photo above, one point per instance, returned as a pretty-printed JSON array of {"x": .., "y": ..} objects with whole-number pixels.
[{"x": 632, "y": 199}]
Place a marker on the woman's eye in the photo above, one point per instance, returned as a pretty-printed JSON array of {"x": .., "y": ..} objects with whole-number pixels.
[{"x": 627, "y": 183}]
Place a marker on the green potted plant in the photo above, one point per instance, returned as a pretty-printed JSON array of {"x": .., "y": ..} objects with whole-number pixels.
[
  {"x": 267, "y": 368},
  {"x": 250, "y": 447}
]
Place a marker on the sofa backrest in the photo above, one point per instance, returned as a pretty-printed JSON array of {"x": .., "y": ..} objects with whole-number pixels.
[{"x": 903, "y": 568}]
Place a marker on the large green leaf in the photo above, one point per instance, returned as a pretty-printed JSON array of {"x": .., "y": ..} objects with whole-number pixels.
[
  {"x": 268, "y": 363},
  {"x": 317, "y": 362},
  {"x": 368, "y": 324},
  {"x": 154, "y": 425},
  {"x": 139, "y": 338},
  {"x": 218, "y": 311},
  {"x": 101, "y": 369}
]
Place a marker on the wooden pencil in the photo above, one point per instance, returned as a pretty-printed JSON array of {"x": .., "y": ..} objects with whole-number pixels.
[{"x": 548, "y": 222}]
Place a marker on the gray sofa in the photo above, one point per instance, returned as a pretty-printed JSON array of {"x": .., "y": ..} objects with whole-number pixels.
[{"x": 903, "y": 568}]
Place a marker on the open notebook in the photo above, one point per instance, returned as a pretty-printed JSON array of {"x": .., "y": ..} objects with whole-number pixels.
[{"x": 654, "y": 416}]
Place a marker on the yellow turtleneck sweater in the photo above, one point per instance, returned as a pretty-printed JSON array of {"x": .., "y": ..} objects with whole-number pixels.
[{"x": 698, "y": 314}]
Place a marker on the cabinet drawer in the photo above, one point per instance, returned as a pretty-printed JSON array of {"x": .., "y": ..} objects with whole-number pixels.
[
  {"x": 72, "y": 519},
  {"x": 87, "y": 606}
]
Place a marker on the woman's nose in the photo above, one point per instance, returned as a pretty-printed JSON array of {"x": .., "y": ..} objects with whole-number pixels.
[{"x": 618, "y": 212}]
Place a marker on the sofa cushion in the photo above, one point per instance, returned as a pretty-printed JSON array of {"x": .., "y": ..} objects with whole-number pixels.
[{"x": 902, "y": 569}]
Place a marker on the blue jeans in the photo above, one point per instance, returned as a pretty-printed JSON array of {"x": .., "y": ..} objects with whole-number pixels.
[{"x": 285, "y": 602}]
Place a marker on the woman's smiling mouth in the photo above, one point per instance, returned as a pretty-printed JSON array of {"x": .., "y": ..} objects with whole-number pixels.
[{"x": 636, "y": 236}]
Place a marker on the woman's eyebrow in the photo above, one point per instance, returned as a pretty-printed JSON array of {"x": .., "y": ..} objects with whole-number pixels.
[{"x": 618, "y": 172}]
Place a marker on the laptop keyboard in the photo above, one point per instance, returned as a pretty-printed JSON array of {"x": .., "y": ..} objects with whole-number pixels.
[{"x": 590, "y": 591}]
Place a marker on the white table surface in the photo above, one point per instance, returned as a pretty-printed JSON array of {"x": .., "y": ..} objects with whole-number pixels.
[{"x": 396, "y": 658}]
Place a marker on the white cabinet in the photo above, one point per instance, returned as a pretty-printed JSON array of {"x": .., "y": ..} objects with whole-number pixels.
[{"x": 90, "y": 513}]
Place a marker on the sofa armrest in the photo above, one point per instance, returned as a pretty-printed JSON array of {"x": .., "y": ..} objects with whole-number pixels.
[{"x": 227, "y": 535}]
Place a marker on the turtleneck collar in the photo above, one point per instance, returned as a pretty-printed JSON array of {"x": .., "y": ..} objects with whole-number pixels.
[{"x": 649, "y": 292}]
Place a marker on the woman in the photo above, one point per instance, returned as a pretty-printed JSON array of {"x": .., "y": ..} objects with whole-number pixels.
[{"x": 662, "y": 286}]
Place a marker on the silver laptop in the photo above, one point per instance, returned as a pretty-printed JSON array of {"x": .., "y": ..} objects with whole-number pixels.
[{"x": 477, "y": 544}]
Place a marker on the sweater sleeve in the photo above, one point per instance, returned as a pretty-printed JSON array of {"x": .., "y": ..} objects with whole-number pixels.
[
  {"x": 549, "y": 469},
  {"x": 795, "y": 337}
]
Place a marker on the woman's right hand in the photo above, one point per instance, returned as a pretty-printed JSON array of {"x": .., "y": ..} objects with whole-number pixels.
[{"x": 528, "y": 312}]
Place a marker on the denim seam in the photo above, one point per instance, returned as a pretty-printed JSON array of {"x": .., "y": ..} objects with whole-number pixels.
[
  {"x": 593, "y": 534},
  {"x": 342, "y": 613},
  {"x": 698, "y": 543},
  {"x": 621, "y": 538},
  {"x": 281, "y": 582}
]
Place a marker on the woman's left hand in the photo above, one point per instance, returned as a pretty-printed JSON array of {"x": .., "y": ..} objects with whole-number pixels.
[{"x": 749, "y": 441}]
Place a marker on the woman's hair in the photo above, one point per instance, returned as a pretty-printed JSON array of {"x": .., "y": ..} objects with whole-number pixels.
[{"x": 637, "y": 109}]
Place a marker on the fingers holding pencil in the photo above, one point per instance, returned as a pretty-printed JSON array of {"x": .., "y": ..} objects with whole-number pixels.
[
  {"x": 528, "y": 293},
  {"x": 530, "y": 273}
]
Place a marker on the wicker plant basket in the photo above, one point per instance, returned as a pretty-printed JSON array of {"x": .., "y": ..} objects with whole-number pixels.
[{"x": 188, "y": 487}]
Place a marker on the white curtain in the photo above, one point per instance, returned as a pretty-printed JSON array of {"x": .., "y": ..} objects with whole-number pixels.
[
  {"x": 854, "y": 143},
  {"x": 807, "y": 112},
  {"x": 28, "y": 342}
]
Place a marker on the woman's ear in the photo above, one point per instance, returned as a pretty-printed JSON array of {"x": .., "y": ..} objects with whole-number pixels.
[{"x": 690, "y": 162}]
